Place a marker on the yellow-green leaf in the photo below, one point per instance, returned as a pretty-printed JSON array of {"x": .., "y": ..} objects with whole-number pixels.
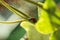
[
  {"x": 57, "y": 12},
  {"x": 43, "y": 25},
  {"x": 26, "y": 25},
  {"x": 55, "y": 20}
]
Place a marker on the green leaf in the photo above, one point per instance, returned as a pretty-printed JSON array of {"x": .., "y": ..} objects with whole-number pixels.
[
  {"x": 43, "y": 25},
  {"x": 55, "y": 20},
  {"x": 17, "y": 33},
  {"x": 56, "y": 35}
]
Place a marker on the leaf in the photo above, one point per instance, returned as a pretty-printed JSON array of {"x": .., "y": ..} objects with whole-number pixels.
[
  {"x": 43, "y": 25},
  {"x": 26, "y": 25},
  {"x": 17, "y": 33},
  {"x": 57, "y": 12},
  {"x": 55, "y": 20},
  {"x": 56, "y": 35},
  {"x": 32, "y": 33}
]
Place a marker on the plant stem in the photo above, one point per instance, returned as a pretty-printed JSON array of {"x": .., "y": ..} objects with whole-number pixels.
[
  {"x": 14, "y": 10},
  {"x": 40, "y": 5},
  {"x": 9, "y": 22}
]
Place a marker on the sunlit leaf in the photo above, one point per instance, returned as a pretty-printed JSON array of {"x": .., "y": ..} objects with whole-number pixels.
[
  {"x": 43, "y": 25},
  {"x": 26, "y": 25},
  {"x": 32, "y": 33}
]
